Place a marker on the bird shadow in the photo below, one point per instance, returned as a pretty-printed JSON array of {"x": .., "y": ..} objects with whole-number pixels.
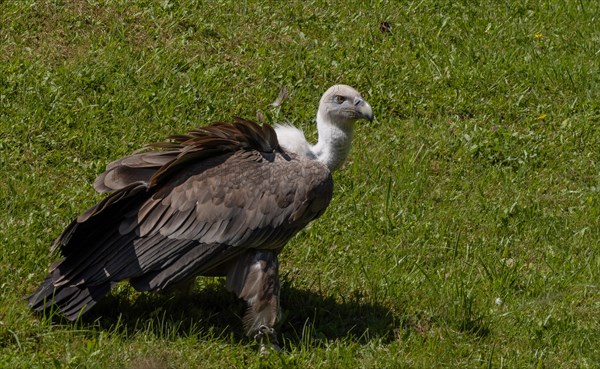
[{"x": 309, "y": 318}]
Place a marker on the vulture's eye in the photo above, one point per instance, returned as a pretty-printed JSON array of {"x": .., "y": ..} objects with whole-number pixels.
[{"x": 339, "y": 99}]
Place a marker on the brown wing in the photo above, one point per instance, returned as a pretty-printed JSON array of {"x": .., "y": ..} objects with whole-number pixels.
[
  {"x": 191, "y": 217},
  {"x": 192, "y": 225}
]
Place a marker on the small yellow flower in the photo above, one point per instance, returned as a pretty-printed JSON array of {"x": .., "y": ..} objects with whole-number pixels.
[
  {"x": 541, "y": 117},
  {"x": 538, "y": 36}
]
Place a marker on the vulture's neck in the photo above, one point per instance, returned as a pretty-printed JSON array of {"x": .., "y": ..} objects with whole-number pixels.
[{"x": 334, "y": 142}]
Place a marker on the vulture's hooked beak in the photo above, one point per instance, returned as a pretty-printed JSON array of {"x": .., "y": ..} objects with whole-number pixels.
[{"x": 363, "y": 109}]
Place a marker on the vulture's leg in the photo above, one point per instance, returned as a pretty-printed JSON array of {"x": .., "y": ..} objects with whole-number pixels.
[{"x": 254, "y": 278}]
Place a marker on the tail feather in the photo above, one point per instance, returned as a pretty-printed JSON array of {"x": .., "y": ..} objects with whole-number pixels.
[{"x": 72, "y": 301}]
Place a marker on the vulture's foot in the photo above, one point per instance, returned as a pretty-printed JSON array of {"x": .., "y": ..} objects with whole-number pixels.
[
  {"x": 267, "y": 339},
  {"x": 265, "y": 334}
]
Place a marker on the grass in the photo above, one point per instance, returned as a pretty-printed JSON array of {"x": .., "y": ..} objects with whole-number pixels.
[{"x": 465, "y": 227}]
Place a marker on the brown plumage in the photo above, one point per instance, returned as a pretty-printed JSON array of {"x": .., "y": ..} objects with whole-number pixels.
[{"x": 215, "y": 202}]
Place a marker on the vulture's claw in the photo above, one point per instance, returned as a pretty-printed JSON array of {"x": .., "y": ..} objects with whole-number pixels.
[
  {"x": 267, "y": 338},
  {"x": 265, "y": 334}
]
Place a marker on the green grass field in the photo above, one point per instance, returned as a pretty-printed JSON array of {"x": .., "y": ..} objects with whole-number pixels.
[{"x": 465, "y": 228}]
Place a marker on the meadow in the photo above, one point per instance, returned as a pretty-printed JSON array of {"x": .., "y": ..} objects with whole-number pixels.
[{"x": 465, "y": 227}]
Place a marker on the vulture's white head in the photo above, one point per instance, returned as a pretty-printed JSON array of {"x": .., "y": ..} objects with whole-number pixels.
[
  {"x": 339, "y": 108},
  {"x": 342, "y": 105}
]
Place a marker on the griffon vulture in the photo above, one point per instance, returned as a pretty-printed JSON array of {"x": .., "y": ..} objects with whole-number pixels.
[{"x": 220, "y": 201}]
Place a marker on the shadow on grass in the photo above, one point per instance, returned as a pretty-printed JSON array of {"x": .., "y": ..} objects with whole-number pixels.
[{"x": 308, "y": 317}]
